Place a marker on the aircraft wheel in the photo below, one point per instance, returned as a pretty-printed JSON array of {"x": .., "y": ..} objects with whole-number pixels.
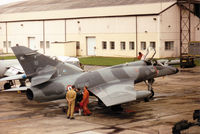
[
  {"x": 152, "y": 94},
  {"x": 146, "y": 99},
  {"x": 150, "y": 97},
  {"x": 7, "y": 86}
]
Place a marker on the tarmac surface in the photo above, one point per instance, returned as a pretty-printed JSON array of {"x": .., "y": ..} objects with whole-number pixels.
[{"x": 176, "y": 97}]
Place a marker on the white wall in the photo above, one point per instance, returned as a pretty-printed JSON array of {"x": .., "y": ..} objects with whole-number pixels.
[
  {"x": 170, "y": 31},
  {"x": 148, "y": 31},
  {"x": 101, "y": 25},
  {"x": 113, "y": 29},
  {"x": 195, "y": 28},
  {"x": 2, "y": 35},
  {"x": 104, "y": 29},
  {"x": 19, "y": 32},
  {"x": 55, "y": 30}
]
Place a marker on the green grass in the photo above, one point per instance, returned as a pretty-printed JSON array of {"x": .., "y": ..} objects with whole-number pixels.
[
  {"x": 197, "y": 62},
  {"x": 7, "y": 57},
  {"x": 104, "y": 61}
]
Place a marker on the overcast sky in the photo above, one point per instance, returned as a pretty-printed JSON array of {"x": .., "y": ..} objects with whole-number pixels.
[{"x": 7, "y": 1}]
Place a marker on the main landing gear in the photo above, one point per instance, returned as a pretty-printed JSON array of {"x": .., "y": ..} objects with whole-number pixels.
[
  {"x": 11, "y": 83},
  {"x": 117, "y": 108},
  {"x": 8, "y": 85}
]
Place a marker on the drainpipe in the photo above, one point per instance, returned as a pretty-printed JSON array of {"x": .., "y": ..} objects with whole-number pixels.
[
  {"x": 6, "y": 37},
  {"x": 136, "y": 30},
  {"x": 44, "y": 37},
  {"x": 65, "y": 30}
]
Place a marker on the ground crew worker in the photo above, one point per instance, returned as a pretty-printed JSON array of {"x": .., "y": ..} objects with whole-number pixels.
[
  {"x": 79, "y": 97},
  {"x": 71, "y": 97},
  {"x": 140, "y": 56},
  {"x": 85, "y": 102}
]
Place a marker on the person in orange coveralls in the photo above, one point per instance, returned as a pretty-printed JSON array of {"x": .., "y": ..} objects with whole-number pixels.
[{"x": 85, "y": 102}]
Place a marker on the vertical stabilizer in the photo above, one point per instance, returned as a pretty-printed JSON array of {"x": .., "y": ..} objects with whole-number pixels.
[{"x": 33, "y": 62}]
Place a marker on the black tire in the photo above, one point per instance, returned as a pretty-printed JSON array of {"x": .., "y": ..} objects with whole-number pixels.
[
  {"x": 152, "y": 94},
  {"x": 117, "y": 108},
  {"x": 7, "y": 86},
  {"x": 146, "y": 99}
]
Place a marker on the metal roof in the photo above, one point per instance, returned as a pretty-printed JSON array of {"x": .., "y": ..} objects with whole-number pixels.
[{"x": 47, "y": 5}]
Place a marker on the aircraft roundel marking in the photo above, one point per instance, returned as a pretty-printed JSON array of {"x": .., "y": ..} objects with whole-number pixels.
[{"x": 69, "y": 87}]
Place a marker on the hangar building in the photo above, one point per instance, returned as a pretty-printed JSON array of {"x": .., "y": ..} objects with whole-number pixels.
[{"x": 98, "y": 27}]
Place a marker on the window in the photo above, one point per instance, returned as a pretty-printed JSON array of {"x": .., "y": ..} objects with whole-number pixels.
[
  {"x": 123, "y": 45},
  {"x": 104, "y": 45},
  {"x": 143, "y": 45},
  {"x": 169, "y": 45},
  {"x": 4, "y": 44},
  {"x": 153, "y": 44},
  {"x": 77, "y": 45},
  {"x": 131, "y": 45},
  {"x": 47, "y": 44},
  {"x": 112, "y": 45},
  {"x": 41, "y": 44}
]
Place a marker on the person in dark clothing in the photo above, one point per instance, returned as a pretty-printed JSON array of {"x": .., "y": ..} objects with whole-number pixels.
[{"x": 79, "y": 97}]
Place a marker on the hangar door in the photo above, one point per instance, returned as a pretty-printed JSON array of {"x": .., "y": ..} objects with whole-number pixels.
[{"x": 91, "y": 46}]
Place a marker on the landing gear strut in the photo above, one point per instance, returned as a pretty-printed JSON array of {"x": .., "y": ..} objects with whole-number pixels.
[{"x": 150, "y": 88}]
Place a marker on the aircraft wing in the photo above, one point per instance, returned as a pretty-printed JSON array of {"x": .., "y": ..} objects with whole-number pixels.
[
  {"x": 118, "y": 92},
  {"x": 16, "y": 89},
  {"x": 14, "y": 77}
]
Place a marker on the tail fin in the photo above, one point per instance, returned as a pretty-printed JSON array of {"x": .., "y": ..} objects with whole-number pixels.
[{"x": 33, "y": 62}]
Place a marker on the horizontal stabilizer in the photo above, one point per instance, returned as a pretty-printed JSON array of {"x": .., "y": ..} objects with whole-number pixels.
[
  {"x": 43, "y": 75},
  {"x": 14, "y": 77}
]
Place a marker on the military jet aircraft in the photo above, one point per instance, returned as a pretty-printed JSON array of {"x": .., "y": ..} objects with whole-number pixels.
[
  {"x": 11, "y": 69},
  {"x": 112, "y": 85}
]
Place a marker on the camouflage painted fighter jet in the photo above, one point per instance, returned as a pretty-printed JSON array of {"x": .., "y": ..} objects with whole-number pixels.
[{"x": 112, "y": 85}]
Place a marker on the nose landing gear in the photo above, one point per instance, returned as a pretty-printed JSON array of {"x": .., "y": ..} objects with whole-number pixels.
[{"x": 149, "y": 83}]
